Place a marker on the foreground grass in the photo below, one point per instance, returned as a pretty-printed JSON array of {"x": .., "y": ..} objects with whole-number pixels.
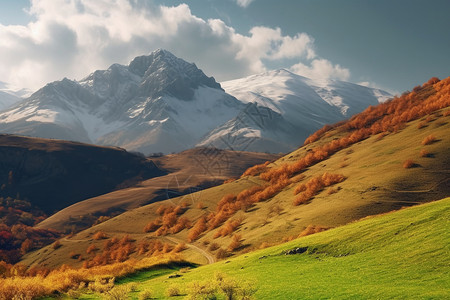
[{"x": 404, "y": 254}]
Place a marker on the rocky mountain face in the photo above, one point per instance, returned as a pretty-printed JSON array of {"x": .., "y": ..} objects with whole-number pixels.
[{"x": 161, "y": 103}]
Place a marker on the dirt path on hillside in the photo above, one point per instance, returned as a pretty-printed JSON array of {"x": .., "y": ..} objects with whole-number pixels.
[{"x": 210, "y": 257}]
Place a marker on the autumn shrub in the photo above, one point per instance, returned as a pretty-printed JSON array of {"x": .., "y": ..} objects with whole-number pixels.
[
  {"x": 181, "y": 224},
  {"x": 305, "y": 191},
  {"x": 228, "y": 228},
  {"x": 311, "y": 229},
  {"x": 213, "y": 246},
  {"x": 119, "y": 292},
  {"x": 179, "y": 247},
  {"x": 152, "y": 225},
  {"x": 409, "y": 163},
  {"x": 56, "y": 245},
  {"x": 421, "y": 125},
  {"x": 199, "y": 205},
  {"x": 143, "y": 247},
  {"x": 201, "y": 290},
  {"x": 235, "y": 242},
  {"x": 99, "y": 235},
  {"x": 221, "y": 287},
  {"x": 91, "y": 249},
  {"x": 446, "y": 113},
  {"x": 221, "y": 253},
  {"x": 173, "y": 290},
  {"x": 424, "y": 153},
  {"x": 429, "y": 140},
  {"x": 197, "y": 229},
  {"x": 26, "y": 246},
  {"x": 256, "y": 170},
  {"x": 145, "y": 295}
]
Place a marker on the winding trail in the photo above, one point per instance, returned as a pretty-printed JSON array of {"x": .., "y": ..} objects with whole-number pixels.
[{"x": 211, "y": 259}]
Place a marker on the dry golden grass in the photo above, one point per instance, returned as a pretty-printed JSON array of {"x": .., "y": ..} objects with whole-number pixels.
[{"x": 65, "y": 278}]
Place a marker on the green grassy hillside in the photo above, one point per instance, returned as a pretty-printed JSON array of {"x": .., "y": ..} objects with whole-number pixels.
[{"x": 399, "y": 255}]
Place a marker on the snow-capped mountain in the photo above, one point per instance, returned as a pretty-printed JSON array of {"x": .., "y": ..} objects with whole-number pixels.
[
  {"x": 161, "y": 103},
  {"x": 158, "y": 103},
  {"x": 10, "y": 95},
  {"x": 283, "y": 108}
]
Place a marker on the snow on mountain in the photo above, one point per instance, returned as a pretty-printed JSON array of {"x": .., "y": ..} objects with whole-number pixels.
[
  {"x": 158, "y": 103},
  {"x": 161, "y": 103},
  {"x": 293, "y": 106},
  {"x": 10, "y": 95}
]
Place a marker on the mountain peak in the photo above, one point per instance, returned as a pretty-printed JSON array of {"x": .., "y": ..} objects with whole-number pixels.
[{"x": 164, "y": 73}]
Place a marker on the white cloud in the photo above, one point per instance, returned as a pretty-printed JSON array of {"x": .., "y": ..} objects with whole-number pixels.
[
  {"x": 244, "y": 3},
  {"x": 71, "y": 38},
  {"x": 321, "y": 69}
]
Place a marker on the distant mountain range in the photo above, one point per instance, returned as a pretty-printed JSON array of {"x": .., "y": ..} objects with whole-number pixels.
[
  {"x": 161, "y": 103},
  {"x": 10, "y": 96}
]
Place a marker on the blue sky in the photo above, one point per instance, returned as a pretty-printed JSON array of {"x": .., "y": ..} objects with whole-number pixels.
[{"x": 394, "y": 44}]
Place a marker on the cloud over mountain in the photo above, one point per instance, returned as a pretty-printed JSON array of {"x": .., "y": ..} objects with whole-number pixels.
[{"x": 72, "y": 38}]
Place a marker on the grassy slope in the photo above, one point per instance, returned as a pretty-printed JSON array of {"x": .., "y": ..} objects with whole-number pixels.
[
  {"x": 186, "y": 170},
  {"x": 404, "y": 255},
  {"x": 376, "y": 183}
]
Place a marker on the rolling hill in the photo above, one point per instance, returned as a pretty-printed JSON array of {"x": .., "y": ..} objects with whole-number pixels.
[
  {"x": 403, "y": 254},
  {"x": 389, "y": 156},
  {"x": 186, "y": 172},
  {"x": 53, "y": 174}
]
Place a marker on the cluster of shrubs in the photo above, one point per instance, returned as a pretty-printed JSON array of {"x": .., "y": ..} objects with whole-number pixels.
[
  {"x": 169, "y": 220},
  {"x": 305, "y": 191},
  {"x": 16, "y": 282},
  {"x": 17, "y": 234},
  {"x": 117, "y": 250},
  {"x": 220, "y": 287}
]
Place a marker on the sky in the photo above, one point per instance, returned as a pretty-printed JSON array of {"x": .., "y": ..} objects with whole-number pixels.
[{"x": 389, "y": 44}]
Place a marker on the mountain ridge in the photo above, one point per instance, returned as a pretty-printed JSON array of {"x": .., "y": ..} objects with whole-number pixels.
[{"x": 161, "y": 103}]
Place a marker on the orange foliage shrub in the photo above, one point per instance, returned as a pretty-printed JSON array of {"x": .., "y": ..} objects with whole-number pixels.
[
  {"x": 197, "y": 229},
  {"x": 181, "y": 224},
  {"x": 421, "y": 125},
  {"x": 221, "y": 253},
  {"x": 153, "y": 225},
  {"x": 213, "y": 247},
  {"x": 235, "y": 242},
  {"x": 318, "y": 134},
  {"x": 179, "y": 247},
  {"x": 143, "y": 247},
  {"x": 446, "y": 113},
  {"x": 99, "y": 235},
  {"x": 311, "y": 229},
  {"x": 308, "y": 190},
  {"x": 228, "y": 228},
  {"x": 26, "y": 246},
  {"x": 424, "y": 153},
  {"x": 408, "y": 164},
  {"x": 256, "y": 170},
  {"x": 199, "y": 205},
  {"x": 91, "y": 249},
  {"x": 56, "y": 245},
  {"x": 429, "y": 140}
]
